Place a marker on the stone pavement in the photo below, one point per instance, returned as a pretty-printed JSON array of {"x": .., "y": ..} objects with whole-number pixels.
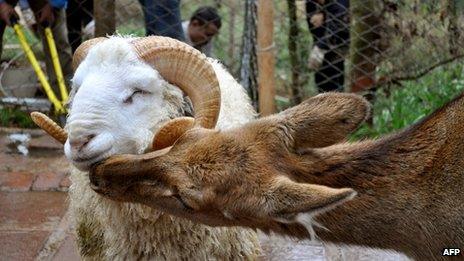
[{"x": 35, "y": 224}]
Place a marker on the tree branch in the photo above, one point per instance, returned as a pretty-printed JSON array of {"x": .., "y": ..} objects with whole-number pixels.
[{"x": 386, "y": 80}]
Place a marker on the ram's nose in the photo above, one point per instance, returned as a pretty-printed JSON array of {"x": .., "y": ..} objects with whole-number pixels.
[{"x": 78, "y": 142}]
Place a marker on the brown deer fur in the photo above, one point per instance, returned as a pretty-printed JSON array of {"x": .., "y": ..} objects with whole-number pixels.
[{"x": 280, "y": 174}]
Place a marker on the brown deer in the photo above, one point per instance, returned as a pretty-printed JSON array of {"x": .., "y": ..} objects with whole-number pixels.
[{"x": 284, "y": 174}]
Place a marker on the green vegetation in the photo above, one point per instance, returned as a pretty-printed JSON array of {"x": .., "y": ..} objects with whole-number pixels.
[
  {"x": 414, "y": 100},
  {"x": 11, "y": 117}
]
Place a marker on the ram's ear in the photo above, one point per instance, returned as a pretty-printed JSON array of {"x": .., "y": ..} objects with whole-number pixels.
[
  {"x": 289, "y": 199},
  {"x": 325, "y": 119}
]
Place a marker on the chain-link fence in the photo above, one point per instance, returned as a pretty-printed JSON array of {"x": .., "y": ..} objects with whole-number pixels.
[
  {"x": 318, "y": 45},
  {"x": 374, "y": 45}
]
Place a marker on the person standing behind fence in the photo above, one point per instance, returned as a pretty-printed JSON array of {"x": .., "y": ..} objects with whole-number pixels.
[
  {"x": 328, "y": 22},
  {"x": 51, "y": 13},
  {"x": 203, "y": 25},
  {"x": 79, "y": 13},
  {"x": 162, "y": 17}
]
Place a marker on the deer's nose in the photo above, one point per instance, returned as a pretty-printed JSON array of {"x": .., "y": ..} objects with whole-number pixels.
[
  {"x": 97, "y": 183},
  {"x": 105, "y": 181},
  {"x": 79, "y": 142}
]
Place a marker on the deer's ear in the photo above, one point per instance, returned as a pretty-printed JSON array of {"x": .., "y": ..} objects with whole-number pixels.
[
  {"x": 325, "y": 119},
  {"x": 289, "y": 199}
]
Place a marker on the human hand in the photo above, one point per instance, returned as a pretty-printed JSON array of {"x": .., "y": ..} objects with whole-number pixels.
[
  {"x": 316, "y": 58},
  {"x": 46, "y": 17},
  {"x": 317, "y": 19},
  {"x": 7, "y": 12}
]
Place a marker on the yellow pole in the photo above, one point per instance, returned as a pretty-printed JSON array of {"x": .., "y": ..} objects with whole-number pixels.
[
  {"x": 56, "y": 65},
  {"x": 43, "y": 80}
]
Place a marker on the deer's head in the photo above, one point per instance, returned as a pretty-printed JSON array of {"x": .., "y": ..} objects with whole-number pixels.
[{"x": 242, "y": 176}]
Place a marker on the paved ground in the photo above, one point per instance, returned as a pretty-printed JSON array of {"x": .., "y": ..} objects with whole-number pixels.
[
  {"x": 34, "y": 223},
  {"x": 33, "y": 220}
]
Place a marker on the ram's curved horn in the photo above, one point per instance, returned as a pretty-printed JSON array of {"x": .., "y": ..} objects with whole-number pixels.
[
  {"x": 183, "y": 66},
  {"x": 49, "y": 126},
  {"x": 187, "y": 68}
]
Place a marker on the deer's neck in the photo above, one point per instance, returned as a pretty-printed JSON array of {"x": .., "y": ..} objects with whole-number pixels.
[{"x": 392, "y": 178}]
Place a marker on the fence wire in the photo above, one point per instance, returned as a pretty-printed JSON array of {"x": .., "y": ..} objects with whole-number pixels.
[{"x": 319, "y": 45}]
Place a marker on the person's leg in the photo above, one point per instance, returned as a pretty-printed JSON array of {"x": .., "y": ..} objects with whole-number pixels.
[
  {"x": 166, "y": 20},
  {"x": 74, "y": 23},
  {"x": 324, "y": 76},
  {"x": 339, "y": 78},
  {"x": 87, "y": 11},
  {"x": 331, "y": 77},
  {"x": 320, "y": 80},
  {"x": 78, "y": 14}
]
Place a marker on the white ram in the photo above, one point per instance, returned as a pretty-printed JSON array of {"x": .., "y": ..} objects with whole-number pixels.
[{"x": 119, "y": 102}]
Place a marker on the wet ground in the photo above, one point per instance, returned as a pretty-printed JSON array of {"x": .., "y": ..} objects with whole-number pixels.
[{"x": 35, "y": 224}]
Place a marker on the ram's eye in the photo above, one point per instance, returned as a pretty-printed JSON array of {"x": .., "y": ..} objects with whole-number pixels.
[{"x": 130, "y": 99}]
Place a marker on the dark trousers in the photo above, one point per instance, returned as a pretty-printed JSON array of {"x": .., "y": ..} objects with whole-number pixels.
[
  {"x": 78, "y": 14},
  {"x": 162, "y": 17},
  {"x": 330, "y": 76}
]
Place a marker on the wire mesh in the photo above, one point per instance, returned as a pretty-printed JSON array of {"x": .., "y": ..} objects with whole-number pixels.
[{"x": 319, "y": 45}]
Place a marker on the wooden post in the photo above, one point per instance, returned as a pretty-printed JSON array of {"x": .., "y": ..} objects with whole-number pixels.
[
  {"x": 266, "y": 59},
  {"x": 105, "y": 17}
]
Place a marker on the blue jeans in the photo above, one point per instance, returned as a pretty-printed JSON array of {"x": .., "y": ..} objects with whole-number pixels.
[{"x": 162, "y": 17}]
